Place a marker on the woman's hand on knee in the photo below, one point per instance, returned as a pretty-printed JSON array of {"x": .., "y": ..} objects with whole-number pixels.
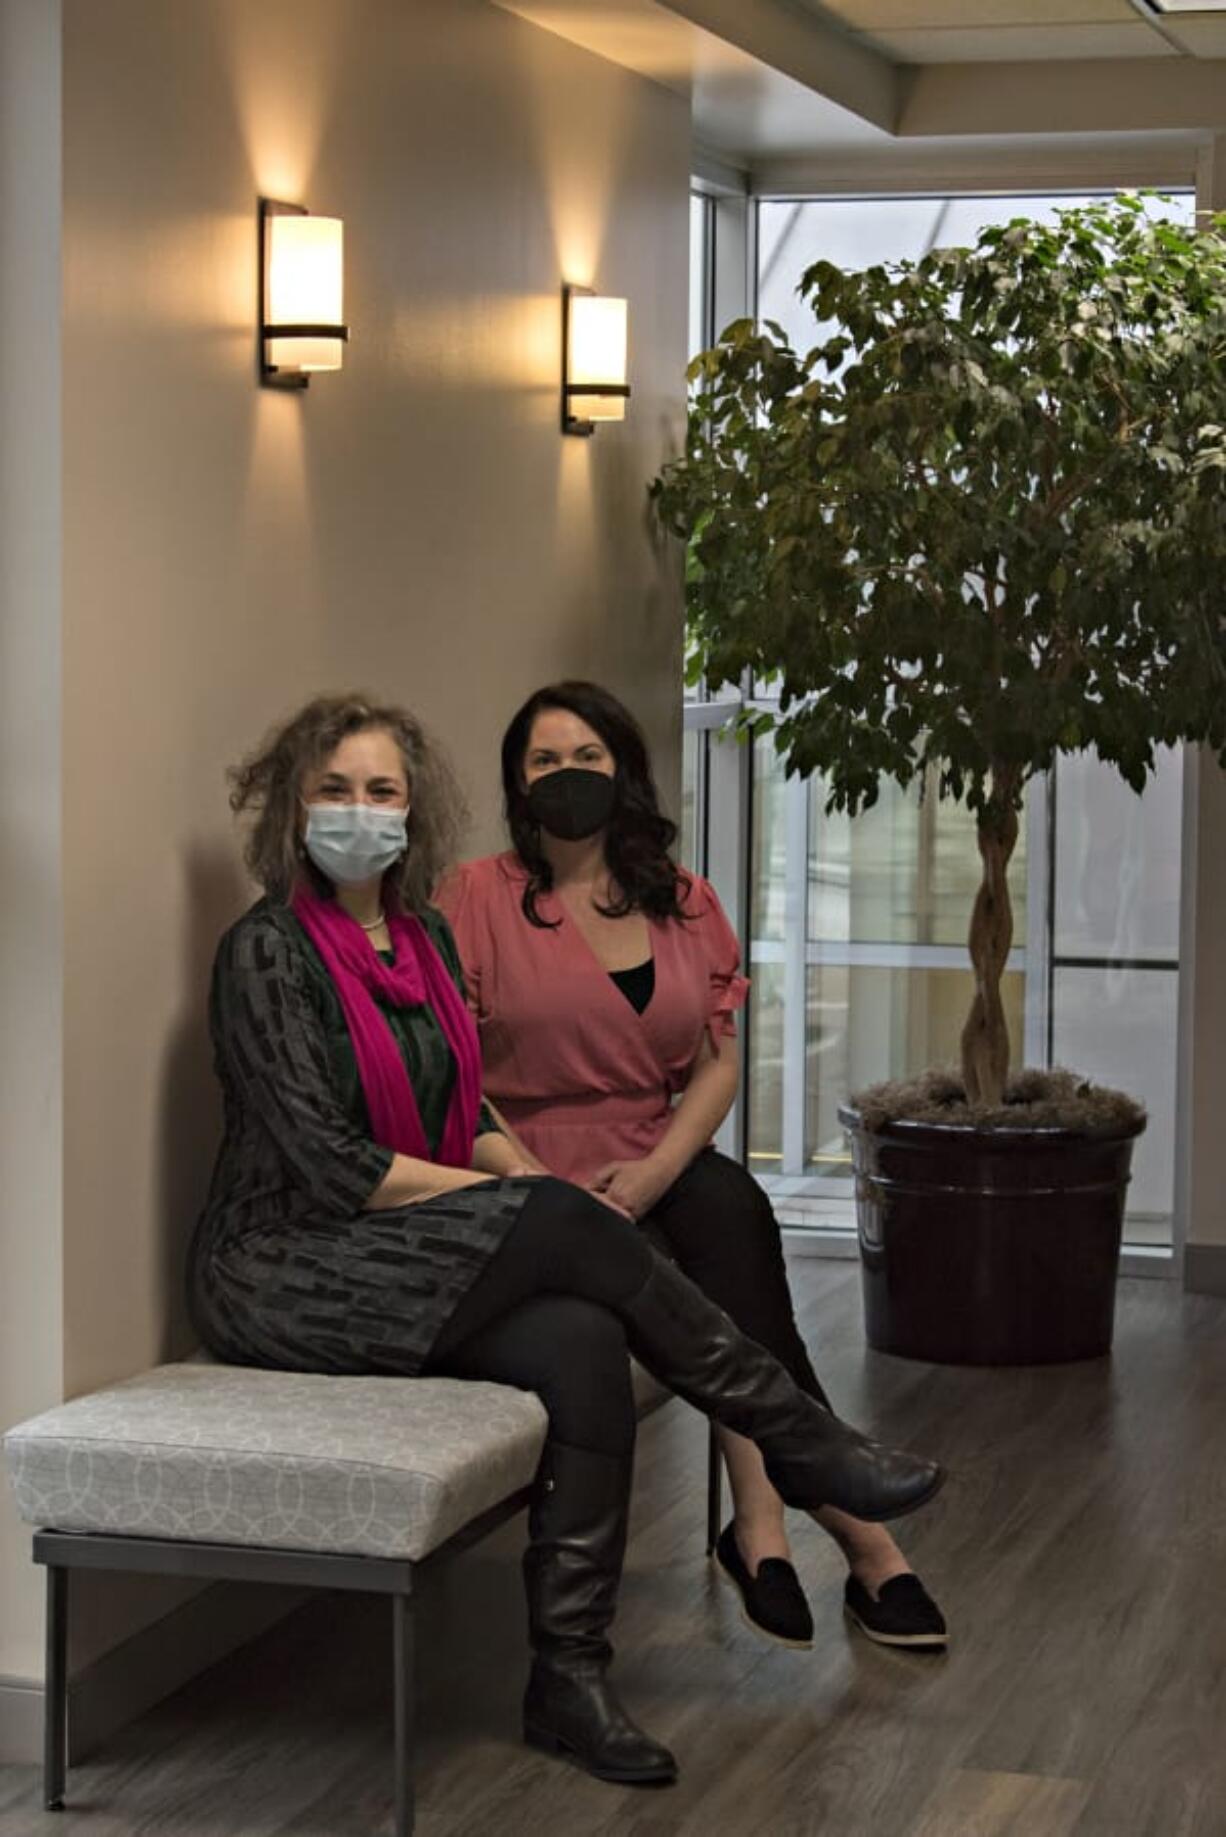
[{"x": 632, "y": 1187}]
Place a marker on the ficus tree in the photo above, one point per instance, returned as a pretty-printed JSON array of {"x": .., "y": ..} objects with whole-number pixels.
[{"x": 980, "y": 523}]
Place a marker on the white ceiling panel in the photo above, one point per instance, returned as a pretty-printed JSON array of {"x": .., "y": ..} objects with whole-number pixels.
[
  {"x": 917, "y": 15},
  {"x": 1021, "y": 44},
  {"x": 1202, "y": 37}
]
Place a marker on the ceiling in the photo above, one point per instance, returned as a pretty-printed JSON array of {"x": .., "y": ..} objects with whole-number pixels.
[
  {"x": 913, "y": 87},
  {"x": 998, "y": 31}
]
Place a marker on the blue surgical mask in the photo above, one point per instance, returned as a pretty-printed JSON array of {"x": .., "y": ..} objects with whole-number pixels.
[{"x": 354, "y": 842}]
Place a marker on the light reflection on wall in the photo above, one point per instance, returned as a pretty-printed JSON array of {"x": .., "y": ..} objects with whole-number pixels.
[{"x": 283, "y": 68}]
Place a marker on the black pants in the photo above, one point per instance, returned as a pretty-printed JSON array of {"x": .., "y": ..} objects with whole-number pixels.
[
  {"x": 718, "y": 1226},
  {"x": 571, "y": 1352},
  {"x": 544, "y": 1315}
]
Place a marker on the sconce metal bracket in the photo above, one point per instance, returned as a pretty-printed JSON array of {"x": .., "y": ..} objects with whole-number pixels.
[{"x": 269, "y": 375}]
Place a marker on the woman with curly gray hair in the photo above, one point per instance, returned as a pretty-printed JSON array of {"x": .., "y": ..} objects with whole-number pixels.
[{"x": 369, "y": 1214}]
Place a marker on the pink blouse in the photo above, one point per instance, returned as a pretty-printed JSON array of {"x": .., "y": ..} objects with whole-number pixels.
[{"x": 578, "y": 1074}]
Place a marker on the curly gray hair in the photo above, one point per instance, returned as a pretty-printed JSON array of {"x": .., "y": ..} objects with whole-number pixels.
[{"x": 268, "y": 783}]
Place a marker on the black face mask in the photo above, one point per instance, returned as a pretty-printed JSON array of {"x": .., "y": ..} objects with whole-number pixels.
[{"x": 571, "y": 804}]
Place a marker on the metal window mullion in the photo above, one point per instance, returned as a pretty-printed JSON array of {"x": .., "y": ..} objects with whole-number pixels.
[
  {"x": 1190, "y": 945},
  {"x": 1040, "y": 838},
  {"x": 702, "y": 806},
  {"x": 733, "y": 260},
  {"x": 727, "y": 867},
  {"x": 795, "y": 970},
  {"x": 708, "y": 277},
  {"x": 703, "y": 716},
  {"x": 1049, "y": 914},
  {"x": 843, "y": 954}
]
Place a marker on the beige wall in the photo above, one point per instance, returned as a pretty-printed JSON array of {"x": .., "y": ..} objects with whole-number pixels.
[
  {"x": 30, "y": 944},
  {"x": 417, "y": 524}
]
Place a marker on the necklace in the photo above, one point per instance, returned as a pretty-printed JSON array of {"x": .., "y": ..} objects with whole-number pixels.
[{"x": 374, "y": 923}]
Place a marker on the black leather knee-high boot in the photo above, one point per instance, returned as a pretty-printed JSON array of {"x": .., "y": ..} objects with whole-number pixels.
[
  {"x": 572, "y": 1568},
  {"x": 812, "y": 1458}
]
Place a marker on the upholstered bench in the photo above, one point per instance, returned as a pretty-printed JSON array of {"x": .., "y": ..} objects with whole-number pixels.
[{"x": 225, "y": 1473}]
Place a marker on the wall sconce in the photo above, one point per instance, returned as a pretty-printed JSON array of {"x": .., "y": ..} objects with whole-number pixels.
[
  {"x": 594, "y": 386},
  {"x": 302, "y": 285}
]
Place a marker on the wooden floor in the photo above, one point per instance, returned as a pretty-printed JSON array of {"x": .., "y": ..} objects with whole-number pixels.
[{"x": 1078, "y": 1551}]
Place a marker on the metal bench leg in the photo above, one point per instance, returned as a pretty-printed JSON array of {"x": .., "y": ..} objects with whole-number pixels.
[
  {"x": 714, "y": 1477},
  {"x": 402, "y": 1660},
  {"x": 55, "y": 1715}
]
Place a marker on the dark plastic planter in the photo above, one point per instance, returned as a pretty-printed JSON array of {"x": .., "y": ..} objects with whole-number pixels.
[{"x": 989, "y": 1247}]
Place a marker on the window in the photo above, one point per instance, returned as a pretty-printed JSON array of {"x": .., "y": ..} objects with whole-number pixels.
[
  {"x": 858, "y": 956},
  {"x": 692, "y": 839},
  {"x": 856, "y": 928},
  {"x": 1114, "y": 955},
  {"x": 701, "y": 272}
]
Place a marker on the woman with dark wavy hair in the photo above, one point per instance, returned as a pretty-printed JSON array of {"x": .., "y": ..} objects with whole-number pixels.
[
  {"x": 604, "y": 980},
  {"x": 368, "y": 1214}
]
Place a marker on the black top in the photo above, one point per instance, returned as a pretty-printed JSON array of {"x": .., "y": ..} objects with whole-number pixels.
[{"x": 638, "y": 985}]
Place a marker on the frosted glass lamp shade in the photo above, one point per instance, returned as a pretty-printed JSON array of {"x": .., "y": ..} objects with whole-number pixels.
[
  {"x": 595, "y": 345},
  {"x": 303, "y": 327}
]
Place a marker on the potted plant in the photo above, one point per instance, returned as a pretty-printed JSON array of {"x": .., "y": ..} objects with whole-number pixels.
[{"x": 981, "y": 523}]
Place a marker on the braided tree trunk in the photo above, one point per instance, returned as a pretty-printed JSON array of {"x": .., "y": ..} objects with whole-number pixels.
[{"x": 985, "y": 1038}]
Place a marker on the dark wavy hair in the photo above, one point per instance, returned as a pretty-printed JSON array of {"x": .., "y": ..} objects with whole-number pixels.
[
  {"x": 266, "y": 785},
  {"x": 639, "y": 836}
]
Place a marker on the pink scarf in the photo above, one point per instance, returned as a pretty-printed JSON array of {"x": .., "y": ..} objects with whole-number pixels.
[{"x": 418, "y": 975}]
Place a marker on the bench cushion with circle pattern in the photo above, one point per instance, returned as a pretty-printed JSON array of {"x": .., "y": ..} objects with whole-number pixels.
[
  {"x": 288, "y": 1460},
  {"x": 213, "y": 1453}
]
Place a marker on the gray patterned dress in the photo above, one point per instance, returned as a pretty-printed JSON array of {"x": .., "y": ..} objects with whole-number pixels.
[{"x": 287, "y": 1269}]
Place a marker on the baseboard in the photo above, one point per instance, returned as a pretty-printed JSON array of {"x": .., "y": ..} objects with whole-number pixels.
[
  {"x": 141, "y": 1671},
  {"x": 21, "y": 1721},
  {"x": 1204, "y": 1269}
]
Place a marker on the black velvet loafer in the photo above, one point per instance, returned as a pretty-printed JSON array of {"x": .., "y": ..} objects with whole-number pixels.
[
  {"x": 904, "y": 1613},
  {"x": 772, "y": 1602}
]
